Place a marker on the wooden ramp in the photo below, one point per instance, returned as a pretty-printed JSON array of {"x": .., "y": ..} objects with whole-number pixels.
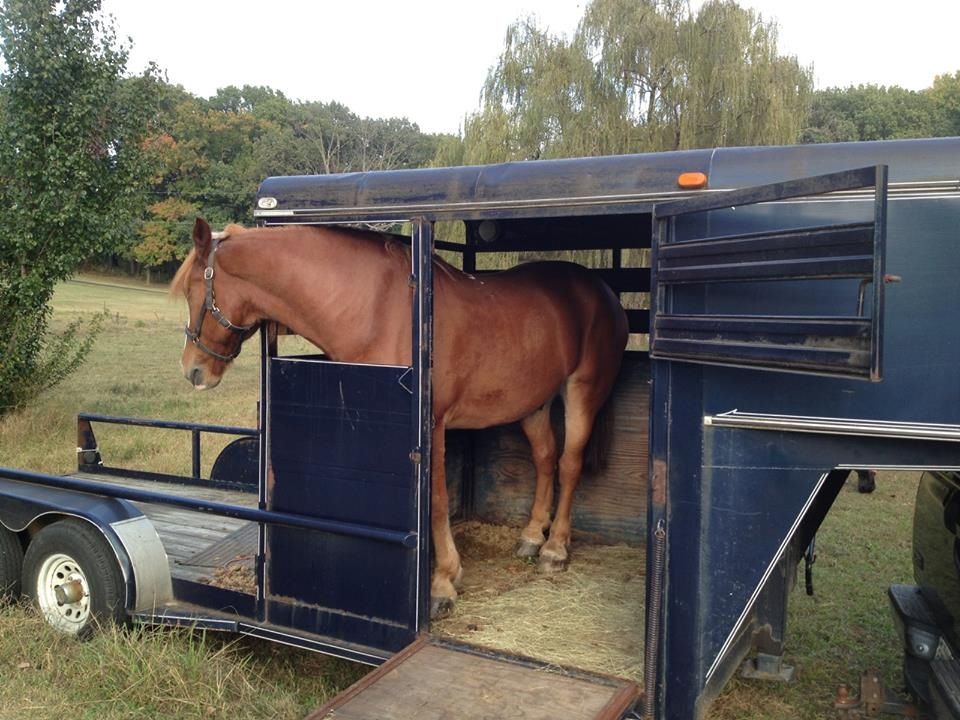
[{"x": 437, "y": 680}]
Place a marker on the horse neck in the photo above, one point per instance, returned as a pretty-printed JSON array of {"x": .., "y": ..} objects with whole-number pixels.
[{"x": 328, "y": 286}]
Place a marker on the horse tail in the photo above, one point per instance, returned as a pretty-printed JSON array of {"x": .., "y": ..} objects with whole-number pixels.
[{"x": 601, "y": 439}]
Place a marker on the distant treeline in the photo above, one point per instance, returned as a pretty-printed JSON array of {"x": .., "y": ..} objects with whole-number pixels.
[{"x": 637, "y": 76}]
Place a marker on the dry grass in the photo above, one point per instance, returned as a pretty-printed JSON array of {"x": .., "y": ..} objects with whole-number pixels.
[{"x": 144, "y": 673}]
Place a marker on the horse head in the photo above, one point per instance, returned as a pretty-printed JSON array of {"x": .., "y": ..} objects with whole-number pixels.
[{"x": 218, "y": 319}]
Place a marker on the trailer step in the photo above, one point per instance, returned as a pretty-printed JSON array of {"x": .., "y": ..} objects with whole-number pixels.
[
  {"x": 437, "y": 680},
  {"x": 917, "y": 627},
  {"x": 945, "y": 689}
]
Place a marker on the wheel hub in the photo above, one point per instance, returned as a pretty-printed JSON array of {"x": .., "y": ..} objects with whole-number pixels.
[{"x": 63, "y": 593}]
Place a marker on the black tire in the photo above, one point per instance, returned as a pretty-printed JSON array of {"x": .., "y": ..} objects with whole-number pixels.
[
  {"x": 11, "y": 565},
  {"x": 71, "y": 573}
]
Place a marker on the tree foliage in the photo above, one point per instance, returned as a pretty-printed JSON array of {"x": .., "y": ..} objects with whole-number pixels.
[
  {"x": 72, "y": 169},
  {"x": 639, "y": 75},
  {"x": 871, "y": 112}
]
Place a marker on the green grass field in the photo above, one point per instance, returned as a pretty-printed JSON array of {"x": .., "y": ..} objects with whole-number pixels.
[{"x": 845, "y": 628}]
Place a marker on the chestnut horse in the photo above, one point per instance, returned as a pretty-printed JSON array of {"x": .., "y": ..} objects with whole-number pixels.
[{"x": 505, "y": 345}]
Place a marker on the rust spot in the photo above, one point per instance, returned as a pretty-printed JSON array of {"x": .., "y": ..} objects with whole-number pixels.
[{"x": 658, "y": 483}]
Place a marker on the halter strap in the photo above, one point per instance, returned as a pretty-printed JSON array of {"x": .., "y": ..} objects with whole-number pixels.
[{"x": 210, "y": 304}]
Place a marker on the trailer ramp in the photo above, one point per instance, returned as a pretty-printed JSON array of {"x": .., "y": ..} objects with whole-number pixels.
[{"x": 438, "y": 680}]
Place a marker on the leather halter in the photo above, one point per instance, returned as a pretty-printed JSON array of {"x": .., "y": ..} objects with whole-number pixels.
[{"x": 210, "y": 304}]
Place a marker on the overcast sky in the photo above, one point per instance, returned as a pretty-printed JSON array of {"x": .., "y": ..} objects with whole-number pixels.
[{"x": 427, "y": 59}]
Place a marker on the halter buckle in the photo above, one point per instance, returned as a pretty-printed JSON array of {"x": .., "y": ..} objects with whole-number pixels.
[{"x": 208, "y": 273}]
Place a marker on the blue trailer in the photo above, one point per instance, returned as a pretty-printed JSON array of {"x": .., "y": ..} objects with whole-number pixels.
[{"x": 792, "y": 312}]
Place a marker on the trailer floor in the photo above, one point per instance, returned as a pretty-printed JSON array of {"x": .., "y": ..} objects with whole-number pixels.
[
  {"x": 200, "y": 547},
  {"x": 590, "y": 617}
]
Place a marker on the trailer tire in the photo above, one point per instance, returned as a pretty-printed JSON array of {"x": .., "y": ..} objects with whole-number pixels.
[
  {"x": 11, "y": 565},
  {"x": 71, "y": 573}
]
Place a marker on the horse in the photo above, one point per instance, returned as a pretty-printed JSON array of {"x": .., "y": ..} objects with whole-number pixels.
[{"x": 506, "y": 344}]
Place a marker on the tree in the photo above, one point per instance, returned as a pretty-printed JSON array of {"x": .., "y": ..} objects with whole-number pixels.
[
  {"x": 639, "y": 76},
  {"x": 73, "y": 173},
  {"x": 945, "y": 95},
  {"x": 871, "y": 112}
]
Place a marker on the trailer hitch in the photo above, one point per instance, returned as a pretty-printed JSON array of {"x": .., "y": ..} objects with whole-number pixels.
[{"x": 873, "y": 701}]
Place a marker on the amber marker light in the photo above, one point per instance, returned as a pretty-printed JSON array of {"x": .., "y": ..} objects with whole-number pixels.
[{"x": 692, "y": 180}]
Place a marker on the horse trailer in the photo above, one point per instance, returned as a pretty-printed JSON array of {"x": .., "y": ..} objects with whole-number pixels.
[{"x": 791, "y": 314}]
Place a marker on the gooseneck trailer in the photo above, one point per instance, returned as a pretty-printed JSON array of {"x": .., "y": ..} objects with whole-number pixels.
[{"x": 793, "y": 316}]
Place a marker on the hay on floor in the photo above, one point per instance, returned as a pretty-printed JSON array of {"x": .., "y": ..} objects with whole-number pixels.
[
  {"x": 590, "y": 617},
  {"x": 236, "y": 575}
]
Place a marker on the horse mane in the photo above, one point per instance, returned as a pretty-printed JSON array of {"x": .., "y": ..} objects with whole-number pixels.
[{"x": 180, "y": 282}]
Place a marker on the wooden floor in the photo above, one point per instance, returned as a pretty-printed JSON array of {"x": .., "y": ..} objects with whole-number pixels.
[
  {"x": 197, "y": 544},
  {"x": 432, "y": 681}
]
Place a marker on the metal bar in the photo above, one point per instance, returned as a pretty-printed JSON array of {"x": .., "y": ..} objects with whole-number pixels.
[
  {"x": 422, "y": 407},
  {"x": 451, "y": 246},
  {"x": 168, "y": 424},
  {"x": 195, "y": 452},
  {"x": 407, "y": 539},
  {"x": 789, "y": 269},
  {"x": 268, "y": 350},
  {"x": 835, "y": 426},
  {"x": 844, "y": 180},
  {"x": 763, "y": 354},
  {"x": 808, "y": 240},
  {"x": 879, "y": 271},
  {"x": 764, "y": 325},
  {"x": 183, "y": 480},
  {"x": 638, "y": 320}
]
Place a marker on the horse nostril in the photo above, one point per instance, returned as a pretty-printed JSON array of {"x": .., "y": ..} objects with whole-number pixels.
[{"x": 196, "y": 377}]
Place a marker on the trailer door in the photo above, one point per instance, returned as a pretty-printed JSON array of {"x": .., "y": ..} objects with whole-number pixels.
[
  {"x": 346, "y": 445},
  {"x": 702, "y": 248}
]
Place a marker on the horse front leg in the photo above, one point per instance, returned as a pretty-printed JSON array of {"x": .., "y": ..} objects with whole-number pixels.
[{"x": 447, "y": 570}]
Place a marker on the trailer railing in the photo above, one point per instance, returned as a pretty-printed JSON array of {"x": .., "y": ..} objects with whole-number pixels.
[{"x": 236, "y": 477}]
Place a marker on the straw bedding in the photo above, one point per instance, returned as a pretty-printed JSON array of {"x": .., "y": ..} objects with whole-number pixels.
[{"x": 589, "y": 617}]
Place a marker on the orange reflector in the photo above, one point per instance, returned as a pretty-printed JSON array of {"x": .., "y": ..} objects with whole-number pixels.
[{"x": 692, "y": 180}]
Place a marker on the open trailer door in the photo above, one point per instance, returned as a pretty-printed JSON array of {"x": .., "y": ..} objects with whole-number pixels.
[
  {"x": 764, "y": 300},
  {"x": 701, "y": 245}
]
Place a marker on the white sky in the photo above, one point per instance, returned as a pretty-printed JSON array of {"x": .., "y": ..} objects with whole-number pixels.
[{"x": 427, "y": 59}]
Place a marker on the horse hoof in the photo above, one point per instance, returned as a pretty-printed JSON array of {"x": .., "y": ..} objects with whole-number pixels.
[
  {"x": 440, "y": 607},
  {"x": 552, "y": 561},
  {"x": 527, "y": 549}
]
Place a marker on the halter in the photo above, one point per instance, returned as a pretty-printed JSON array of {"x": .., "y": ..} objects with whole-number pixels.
[{"x": 210, "y": 303}]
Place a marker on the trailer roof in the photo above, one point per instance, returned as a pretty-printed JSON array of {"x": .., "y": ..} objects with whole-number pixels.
[{"x": 579, "y": 186}]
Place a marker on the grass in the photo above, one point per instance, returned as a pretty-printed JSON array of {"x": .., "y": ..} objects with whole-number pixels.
[{"x": 845, "y": 628}]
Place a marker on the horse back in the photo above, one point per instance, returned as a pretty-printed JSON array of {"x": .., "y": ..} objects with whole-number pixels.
[{"x": 507, "y": 342}]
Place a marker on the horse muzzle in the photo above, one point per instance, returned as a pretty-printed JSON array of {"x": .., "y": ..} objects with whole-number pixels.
[{"x": 199, "y": 378}]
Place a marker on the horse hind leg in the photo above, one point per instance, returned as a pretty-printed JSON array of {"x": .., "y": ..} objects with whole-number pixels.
[
  {"x": 581, "y": 404},
  {"x": 543, "y": 445},
  {"x": 447, "y": 569}
]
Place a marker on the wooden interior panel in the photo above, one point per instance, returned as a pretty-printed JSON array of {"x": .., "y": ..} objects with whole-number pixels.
[{"x": 610, "y": 503}]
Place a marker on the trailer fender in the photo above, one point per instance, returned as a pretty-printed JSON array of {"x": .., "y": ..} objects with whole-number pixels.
[{"x": 25, "y": 507}]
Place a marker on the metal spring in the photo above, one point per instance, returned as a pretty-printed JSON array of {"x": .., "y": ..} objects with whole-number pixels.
[{"x": 653, "y": 618}]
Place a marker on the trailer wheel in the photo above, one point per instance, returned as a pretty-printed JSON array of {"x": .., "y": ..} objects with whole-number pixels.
[
  {"x": 11, "y": 565},
  {"x": 71, "y": 573}
]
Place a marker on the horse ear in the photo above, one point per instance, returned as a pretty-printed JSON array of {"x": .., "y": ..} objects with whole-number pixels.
[{"x": 202, "y": 239}]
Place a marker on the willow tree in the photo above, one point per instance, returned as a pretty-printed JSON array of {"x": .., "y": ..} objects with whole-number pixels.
[{"x": 637, "y": 76}]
